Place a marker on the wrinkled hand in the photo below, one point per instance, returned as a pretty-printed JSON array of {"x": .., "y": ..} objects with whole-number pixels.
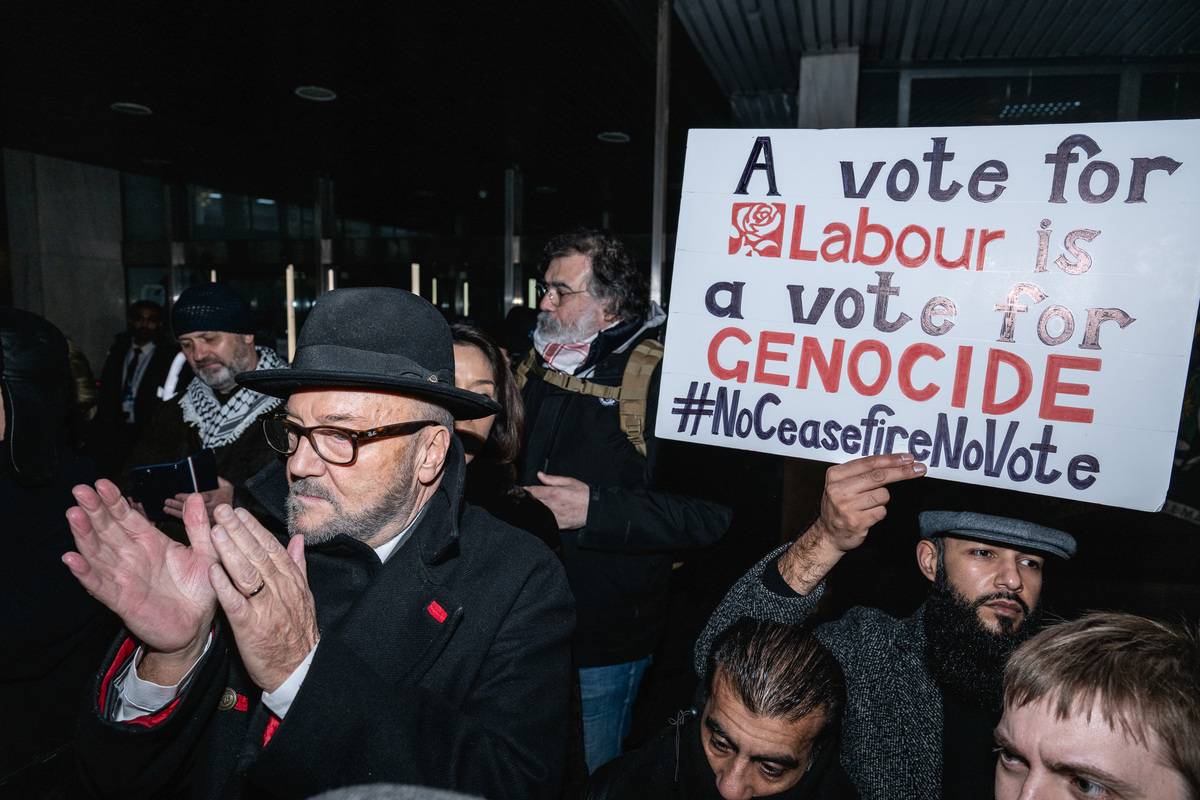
[
  {"x": 158, "y": 587},
  {"x": 223, "y": 494},
  {"x": 567, "y": 497},
  {"x": 277, "y": 627},
  {"x": 855, "y": 498}
]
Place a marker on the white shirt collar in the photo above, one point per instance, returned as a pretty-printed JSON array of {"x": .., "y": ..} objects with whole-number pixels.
[{"x": 385, "y": 550}]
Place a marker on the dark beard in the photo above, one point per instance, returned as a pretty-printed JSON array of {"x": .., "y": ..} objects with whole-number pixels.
[{"x": 967, "y": 660}]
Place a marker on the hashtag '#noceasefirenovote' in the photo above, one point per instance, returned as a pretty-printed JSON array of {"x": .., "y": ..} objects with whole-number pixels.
[{"x": 693, "y": 407}]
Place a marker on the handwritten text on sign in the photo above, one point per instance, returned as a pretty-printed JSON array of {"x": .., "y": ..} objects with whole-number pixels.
[{"x": 1014, "y": 306}]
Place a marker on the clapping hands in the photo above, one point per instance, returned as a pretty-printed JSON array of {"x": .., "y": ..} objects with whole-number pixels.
[{"x": 167, "y": 593}]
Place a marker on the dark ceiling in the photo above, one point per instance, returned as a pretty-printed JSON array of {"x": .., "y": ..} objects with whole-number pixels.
[
  {"x": 753, "y": 47},
  {"x": 435, "y": 100}
]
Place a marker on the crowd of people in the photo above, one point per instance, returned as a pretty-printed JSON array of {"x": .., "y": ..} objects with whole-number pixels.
[{"x": 420, "y": 555}]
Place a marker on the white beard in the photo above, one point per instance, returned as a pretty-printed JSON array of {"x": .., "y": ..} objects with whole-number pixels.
[{"x": 550, "y": 330}]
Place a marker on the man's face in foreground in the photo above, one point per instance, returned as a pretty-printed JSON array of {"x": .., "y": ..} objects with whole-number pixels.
[
  {"x": 368, "y": 500},
  {"x": 1043, "y": 757},
  {"x": 217, "y": 356},
  {"x": 751, "y": 755},
  {"x": 1002, "y": 585}
]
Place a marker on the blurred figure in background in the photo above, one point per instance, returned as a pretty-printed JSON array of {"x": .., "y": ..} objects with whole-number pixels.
[
  {"x": 136, "y": 365},
  {"x": 84, "y": 395},
  {"x": 53, "y": 631},
  {"x": 493, "y": 443}
]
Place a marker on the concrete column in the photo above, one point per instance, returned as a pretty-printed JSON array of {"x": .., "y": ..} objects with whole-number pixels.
[
  {"x": 662, "y": 107},
  {"x": 64, "y": 236},
  {"x": 828, "y": 98},
  {"x": 828, "y": 90}
]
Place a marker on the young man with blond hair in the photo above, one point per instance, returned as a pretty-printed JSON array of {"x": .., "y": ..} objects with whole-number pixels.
[{"x": 1107, "y": 706}]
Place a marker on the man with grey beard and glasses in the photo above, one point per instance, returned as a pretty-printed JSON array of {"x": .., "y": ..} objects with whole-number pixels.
[
  {"x": 399, "y": 635},
  {"x": 590, "y": 391},
  {"x": 923, "y": 693},
  {"x": 215, "y": 330}
]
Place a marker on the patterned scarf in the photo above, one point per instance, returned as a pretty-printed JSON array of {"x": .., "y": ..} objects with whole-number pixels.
[
  {"x": 565, "y": 357},
  {"x": 218, "y": 424}
]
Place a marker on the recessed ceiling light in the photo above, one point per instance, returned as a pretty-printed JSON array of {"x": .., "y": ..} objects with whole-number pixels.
[
  {"x": 545, "y": 189},
  {"x": 613, "y": 137},
  {"x": 264, "y": 201},
  {"x": 318, "y": 94},
  {"x": 136, "y": 109}
]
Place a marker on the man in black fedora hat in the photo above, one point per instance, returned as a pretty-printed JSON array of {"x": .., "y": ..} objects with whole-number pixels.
[{"x": 399, "y": 636}]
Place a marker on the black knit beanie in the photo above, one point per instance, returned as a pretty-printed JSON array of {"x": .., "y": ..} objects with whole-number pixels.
[{"x": 211, "y": 307}]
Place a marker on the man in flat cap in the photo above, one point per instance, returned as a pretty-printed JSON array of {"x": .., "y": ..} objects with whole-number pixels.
[
  {"x": 215, "y": 330},
  {"x": 924, "y": 692},
  {"x": 400, "y": 636}
]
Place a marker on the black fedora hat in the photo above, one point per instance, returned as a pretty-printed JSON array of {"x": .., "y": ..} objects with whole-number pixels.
[{"x": 377, "y": 338}]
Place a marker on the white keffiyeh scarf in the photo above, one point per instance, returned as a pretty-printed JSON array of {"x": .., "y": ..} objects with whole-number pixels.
[{"x": 219, "y": 424}]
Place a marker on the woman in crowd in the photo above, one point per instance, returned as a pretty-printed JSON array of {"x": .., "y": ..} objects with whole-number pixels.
[{"x": 493, "y": 443}]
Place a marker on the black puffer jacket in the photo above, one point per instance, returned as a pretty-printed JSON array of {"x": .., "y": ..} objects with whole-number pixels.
[{"x": 619, "y": 563}]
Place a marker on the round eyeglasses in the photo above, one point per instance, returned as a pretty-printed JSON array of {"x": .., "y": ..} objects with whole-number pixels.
[
  {"x": 557, "y": 292},
  {"x": 334, "y": 445}
]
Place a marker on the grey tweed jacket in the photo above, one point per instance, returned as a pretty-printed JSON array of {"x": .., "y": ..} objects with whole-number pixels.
[{"x": 892, "y": 729}]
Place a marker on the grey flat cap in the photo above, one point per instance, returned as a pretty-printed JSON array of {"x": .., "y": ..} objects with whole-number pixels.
[{"x": 1016, "y": 533}]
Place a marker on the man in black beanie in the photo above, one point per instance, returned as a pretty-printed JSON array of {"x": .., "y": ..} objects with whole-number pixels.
[{"x": 215, "y": 330}]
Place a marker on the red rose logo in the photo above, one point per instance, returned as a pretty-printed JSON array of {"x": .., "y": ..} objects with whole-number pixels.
[{"x": 757, "y": 229}]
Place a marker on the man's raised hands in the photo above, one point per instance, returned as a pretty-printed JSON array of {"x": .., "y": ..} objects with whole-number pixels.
[
  {"x": 158, "y": 587},
  {"x": 855, "y": 498}
]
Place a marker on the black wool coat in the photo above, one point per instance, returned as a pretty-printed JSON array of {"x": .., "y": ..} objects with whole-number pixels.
[{"x": 448, "y": 666}]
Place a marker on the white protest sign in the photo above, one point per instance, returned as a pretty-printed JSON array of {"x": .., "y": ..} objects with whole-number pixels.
[{"x": 1013, "y": 305}]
